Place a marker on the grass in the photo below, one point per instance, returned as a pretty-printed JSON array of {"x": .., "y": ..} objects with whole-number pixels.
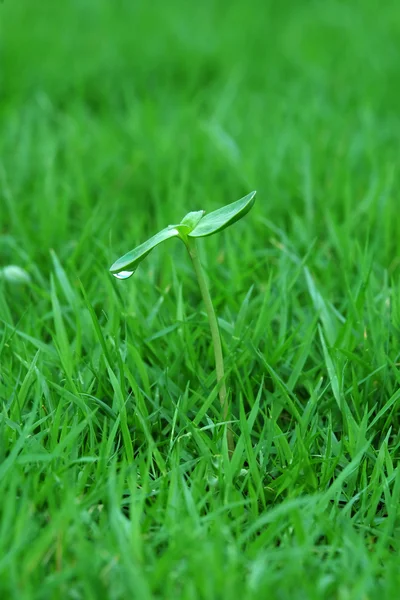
[{"x": 115, "y": 481}]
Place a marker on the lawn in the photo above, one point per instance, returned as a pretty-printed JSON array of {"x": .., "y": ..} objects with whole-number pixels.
[{"x": 116, "y": 119}]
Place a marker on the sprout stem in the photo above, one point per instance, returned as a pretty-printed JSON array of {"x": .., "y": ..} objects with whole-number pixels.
[{"x": 215, "y": 335}]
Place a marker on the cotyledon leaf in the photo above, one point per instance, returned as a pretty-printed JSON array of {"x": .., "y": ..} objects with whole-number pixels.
[
  {"x": 125, "y": 266},
  {"x": 223, "y": 217},
  {"x": 194, "y": 224}
]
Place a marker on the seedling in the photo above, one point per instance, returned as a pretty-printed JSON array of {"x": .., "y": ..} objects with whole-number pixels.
[{"x": 195, "y": 225}]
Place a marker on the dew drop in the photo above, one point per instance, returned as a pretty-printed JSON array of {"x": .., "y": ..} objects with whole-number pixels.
[
  {"x": 14, "y": 274},
  {"x": 123, "y": 274}
]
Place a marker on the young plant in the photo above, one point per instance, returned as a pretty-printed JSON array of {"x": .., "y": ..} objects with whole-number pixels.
[{"x": 195, "y": 225}]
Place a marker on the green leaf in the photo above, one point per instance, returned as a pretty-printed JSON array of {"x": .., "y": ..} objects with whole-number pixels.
[
  {"x": 194, "y": 224},
  {"x": 192, "y": 219},
  {"x": 223, "y": 217},
  {"x": 125, "y": 266}
]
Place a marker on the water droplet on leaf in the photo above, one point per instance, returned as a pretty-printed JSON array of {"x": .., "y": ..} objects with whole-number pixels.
[
  {"x": 15, "y": 274},
  {"x": 123, "y": 274}
]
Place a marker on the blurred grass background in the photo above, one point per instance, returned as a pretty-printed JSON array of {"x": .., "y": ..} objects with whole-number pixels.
[
  {"x": 143, "y": 107},
  {"x": 117, "y": 118}
]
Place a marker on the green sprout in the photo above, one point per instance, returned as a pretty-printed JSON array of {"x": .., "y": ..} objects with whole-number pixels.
[{"x": 195, "y": 225}]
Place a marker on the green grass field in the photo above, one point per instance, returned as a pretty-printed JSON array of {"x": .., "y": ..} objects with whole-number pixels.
[{"x": 116, "y": 119}]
